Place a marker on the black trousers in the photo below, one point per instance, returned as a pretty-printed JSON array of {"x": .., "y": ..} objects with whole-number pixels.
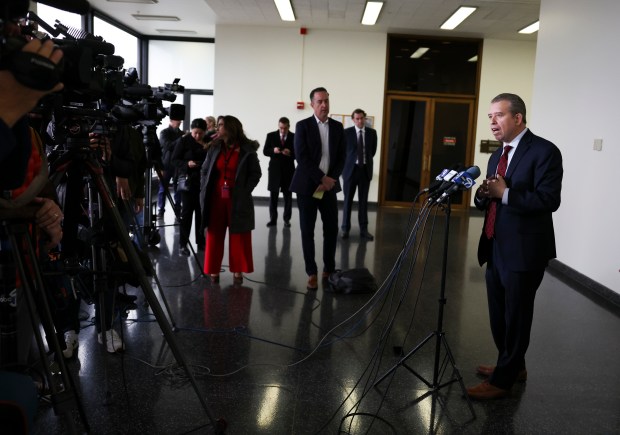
[
  {"x": 308, "y": 208},
  {"x": 273, "y": 205},
  {"x": 361, "y": 182},
  {"x": 510, "y": 297},
  {"x": 190, "y": 206}
]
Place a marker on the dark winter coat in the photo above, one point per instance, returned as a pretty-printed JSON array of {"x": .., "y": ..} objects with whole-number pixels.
[{"x": 247, "y": 177}]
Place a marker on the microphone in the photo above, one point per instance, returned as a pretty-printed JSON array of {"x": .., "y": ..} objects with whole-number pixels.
[
  {"x": 443, "y": 181},
  {"x": 80, "y": 7},
  {"x": 445, "y": 175},
  {"x": 438, "y": 180},
  {"x": 462, "y": 181}
]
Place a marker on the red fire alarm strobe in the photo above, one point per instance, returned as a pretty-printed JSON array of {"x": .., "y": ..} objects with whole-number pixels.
[{"x": 300, "y": 104}]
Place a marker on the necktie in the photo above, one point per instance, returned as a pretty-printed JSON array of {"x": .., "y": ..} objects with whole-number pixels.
[
  {"x": 282, "y": 140},
  {"x": 360, "y": 148},
  {"x": 489, "y": 226}
]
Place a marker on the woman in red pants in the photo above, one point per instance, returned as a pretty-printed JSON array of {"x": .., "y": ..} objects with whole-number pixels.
[{"x": 229, "y": 174}]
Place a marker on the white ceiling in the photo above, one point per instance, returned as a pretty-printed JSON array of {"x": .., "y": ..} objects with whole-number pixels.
[{"x": 499, "y": 19}]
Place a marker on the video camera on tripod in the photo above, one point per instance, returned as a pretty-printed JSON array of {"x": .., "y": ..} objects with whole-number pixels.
[{"x": 142, "y": 106}]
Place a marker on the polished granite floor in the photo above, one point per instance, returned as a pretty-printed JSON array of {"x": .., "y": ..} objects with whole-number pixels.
[{"x": 270, "y": 357}]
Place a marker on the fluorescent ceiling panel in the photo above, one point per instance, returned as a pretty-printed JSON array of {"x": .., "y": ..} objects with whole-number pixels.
[
  {"x": 458, "y": 17},
  {"x": 531, "y": 28},
  {"x": 285, "y": 10},
  {"x": 419, "y": 52},
  {"x": 176, "y": 32},
  {"x": 371, "y": 13},
  {"x": 155, "y": 17}
]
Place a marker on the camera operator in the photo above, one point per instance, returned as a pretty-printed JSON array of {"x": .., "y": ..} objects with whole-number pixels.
[
  {"x": 122, "y": 157},
  {"x": 167, "y": 139},
  {"x": 189, "y": 153},
  {"x": 23, "y": 183}
]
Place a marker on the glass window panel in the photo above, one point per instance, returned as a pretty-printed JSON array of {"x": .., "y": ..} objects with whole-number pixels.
[
  {"x": 49, "y": 15},
  {"x": 192, "y": 62},
  {"x": 166, "y": 121},
  {"x": 445, "y": 68},
  {"x": 125, "y": 44},
  {"x": 201, "y": 106},
  {"x": 406, "y": 144}
]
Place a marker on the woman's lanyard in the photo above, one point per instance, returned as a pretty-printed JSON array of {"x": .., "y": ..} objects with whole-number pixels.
[{"x": 227, "y": 156}]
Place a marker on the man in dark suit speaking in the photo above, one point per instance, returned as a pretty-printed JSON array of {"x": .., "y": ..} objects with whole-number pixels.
[
  {"x": 361, "y": 148},
  {"x": 279, "y": 148},
  {"x": 319, "y": 151},
  {"x": 522, "y": 190}
]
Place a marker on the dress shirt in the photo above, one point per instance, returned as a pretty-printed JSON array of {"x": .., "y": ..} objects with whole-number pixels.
[
  {"x": 324, "y": 132},
  {"x": 513, "y": 144}
]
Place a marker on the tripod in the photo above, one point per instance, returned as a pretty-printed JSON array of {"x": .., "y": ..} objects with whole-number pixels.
[
  {"x": 435, "y": 385},
  {"x": 66, "y": 399},
  {"x": 83, "y": 155},
  {"x": 150, "y": 232}
]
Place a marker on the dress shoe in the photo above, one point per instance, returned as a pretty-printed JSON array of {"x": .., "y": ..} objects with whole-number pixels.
[
  {"x": 271, "y": 223},
  {"x": 486, "y": 391},
  {"x": 287, "y": 224},
  {"x": 487, "y": 371},
  {"x": 185, "y": 251},
  {"x": 366, "y": 235},
  {"x": 215, "y": 278},
  {"x": 237, "y": 278},
  {"x": 312, "y": 283},
  {"x": 345, "y": 235},
  {"x": 160, "y": 214},
  {"x": 325, "y": 276}
]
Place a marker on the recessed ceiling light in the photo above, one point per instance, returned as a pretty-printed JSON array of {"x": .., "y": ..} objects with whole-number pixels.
[
  {"x": 285, "y": 10},
  {"x": 176, "y": 32},
  {"x": 419, "y": 52},
  {"x": 532, "y": 28},
  {"x": 371, "y": 13},
  {"x": 155, "y": 17},
  {"x": 135, "y": 1},
  {"x": 458, "y": 17}
]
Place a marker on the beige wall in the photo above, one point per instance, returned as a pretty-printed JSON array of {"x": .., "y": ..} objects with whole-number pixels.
[
  {"x": 575, "y": 100},
  {"x": 507, "y": 66},
  {"x": 263, "y": 72}
]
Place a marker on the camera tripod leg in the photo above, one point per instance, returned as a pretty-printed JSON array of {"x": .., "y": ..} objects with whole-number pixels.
[
  {"x": 109, "y": 204},
  {"x": 39, "y": 312},
  {"x": 150, "y": 231},
  {"x": 168, "y": 195},
  {"x": 153, "y": 273},
  {"x": 160, "y": 175}
]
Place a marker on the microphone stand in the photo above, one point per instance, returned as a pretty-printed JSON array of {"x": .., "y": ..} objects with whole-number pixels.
[{"x": 440, "y": 339}]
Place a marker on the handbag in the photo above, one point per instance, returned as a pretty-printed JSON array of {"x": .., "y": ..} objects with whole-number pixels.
[
  {"x": 351, "y": 281},
  {"x": 183, "y": 183}
]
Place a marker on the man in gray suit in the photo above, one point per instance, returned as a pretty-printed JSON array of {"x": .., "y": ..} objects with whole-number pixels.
[{"x": 360, "y": 150}]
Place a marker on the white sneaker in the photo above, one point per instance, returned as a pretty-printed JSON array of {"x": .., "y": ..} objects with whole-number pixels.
[
  {"x": 71, "y": 341},
  {"x": 113, "y": 341}
]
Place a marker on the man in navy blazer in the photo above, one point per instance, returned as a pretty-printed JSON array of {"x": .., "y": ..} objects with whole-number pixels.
[
  {"x": 319, "y": 151},
  {"x": 358, "y": 173},
  {"x": 518, "y": 241}
]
